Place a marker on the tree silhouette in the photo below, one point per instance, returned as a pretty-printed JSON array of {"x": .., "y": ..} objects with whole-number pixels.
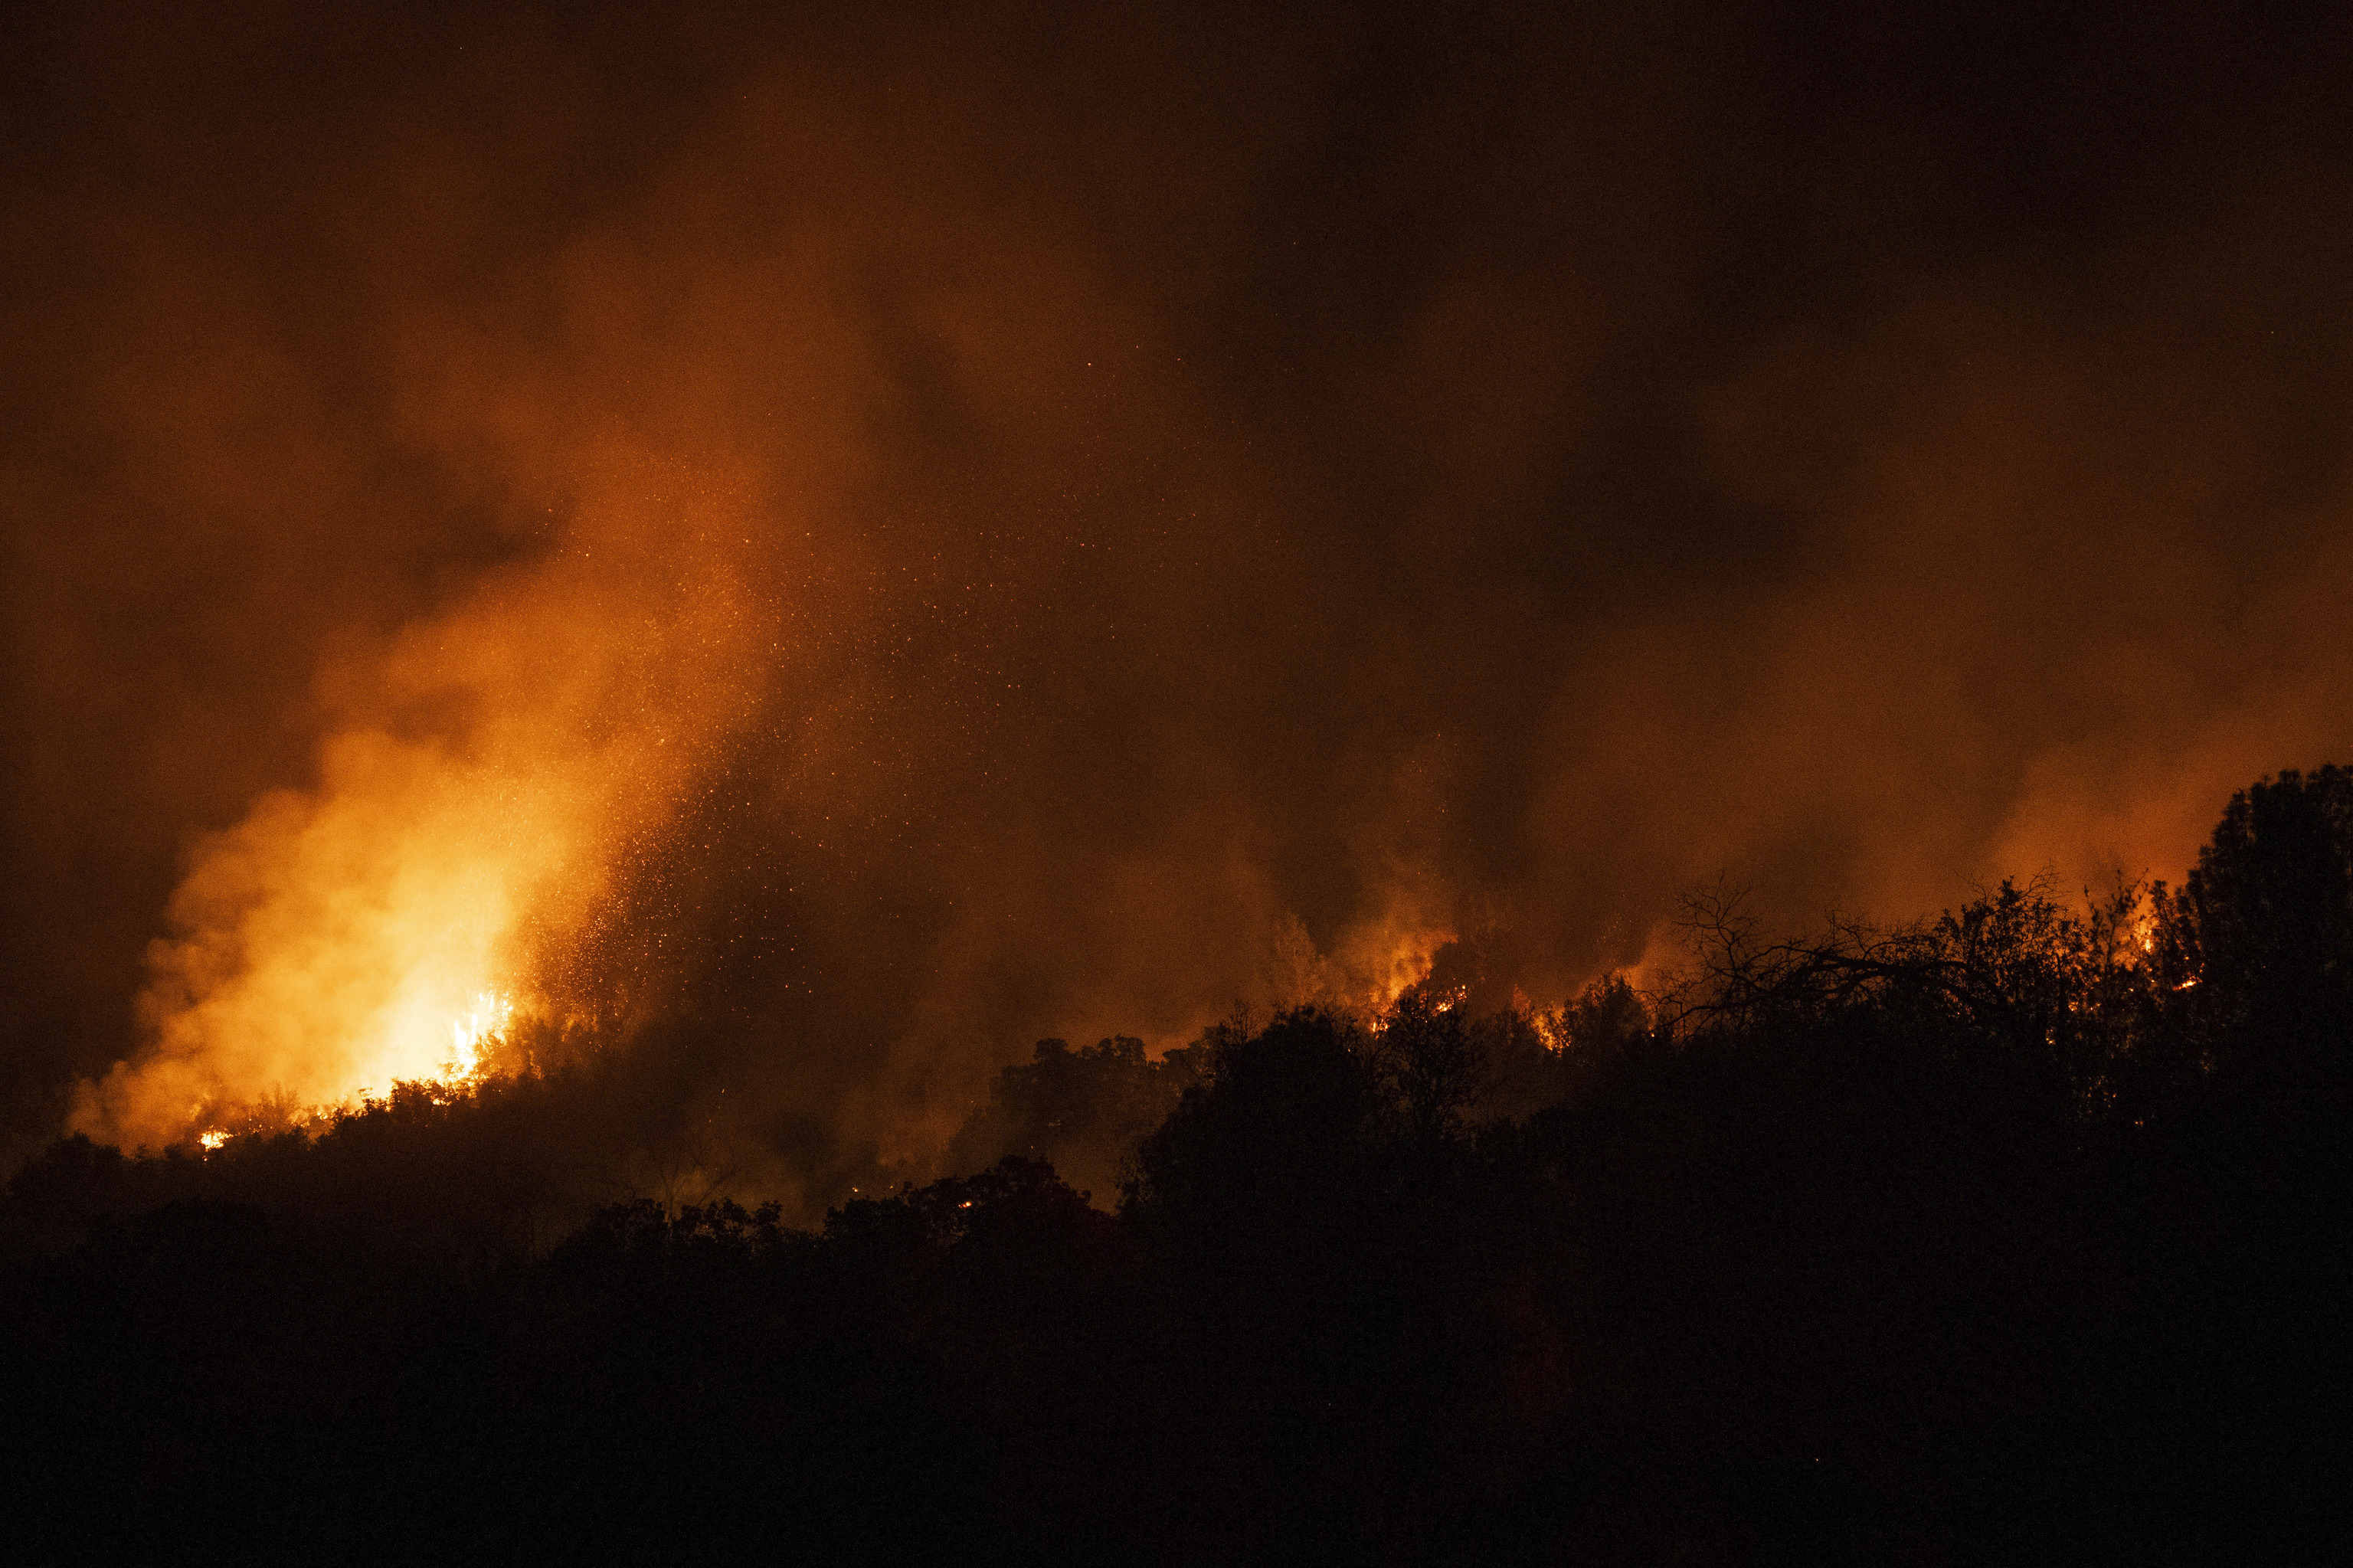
[
  {"x": 1427, "y": 1051},
  {"x": 1082, "y": 1112},
  {"x": 2262, "y": 942},
  {"x": 1286, "y": 1116}
]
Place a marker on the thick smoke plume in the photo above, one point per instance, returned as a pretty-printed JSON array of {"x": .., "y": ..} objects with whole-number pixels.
[{"x": 885, "y": 534}]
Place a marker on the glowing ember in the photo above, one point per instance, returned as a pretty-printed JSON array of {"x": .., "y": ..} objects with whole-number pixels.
[{"x": 212, "y": 1140}]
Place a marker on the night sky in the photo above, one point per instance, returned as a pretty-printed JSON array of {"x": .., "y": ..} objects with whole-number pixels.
[{"x": 904, "y": 530}]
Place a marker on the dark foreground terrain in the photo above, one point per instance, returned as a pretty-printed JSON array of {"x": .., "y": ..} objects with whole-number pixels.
[{"x": 2020, "y": 1237}]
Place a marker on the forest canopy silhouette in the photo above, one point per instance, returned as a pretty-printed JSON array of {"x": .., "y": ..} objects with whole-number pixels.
[{"x": 2018, "y": 1232}]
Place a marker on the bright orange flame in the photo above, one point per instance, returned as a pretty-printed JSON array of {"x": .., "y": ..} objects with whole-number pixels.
[
  {"x": 1370, "y": 966},
  {"x": 381, "y": 926},
  {"x": 489, "y": 1017},
  {"x": 1388, "y": 975}
]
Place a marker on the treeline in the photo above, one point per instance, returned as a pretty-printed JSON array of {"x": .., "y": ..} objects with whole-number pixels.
[{"x": 2021, "y": 1234}]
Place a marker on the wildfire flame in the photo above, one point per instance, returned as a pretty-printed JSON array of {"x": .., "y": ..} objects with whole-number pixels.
[
  {"x": 1370, "y": 966},
  {"x": 489, "y": 1017},
  {"x": 1397, "y": 961},
  {"x": 378, "y": 926}
]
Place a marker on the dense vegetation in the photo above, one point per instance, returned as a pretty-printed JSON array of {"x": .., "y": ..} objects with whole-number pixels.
[{"x": 2021, "y": 1235}]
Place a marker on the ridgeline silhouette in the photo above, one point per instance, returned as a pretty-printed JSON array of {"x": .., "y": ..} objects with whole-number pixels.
[{"x": 2021, "y": 1234}]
